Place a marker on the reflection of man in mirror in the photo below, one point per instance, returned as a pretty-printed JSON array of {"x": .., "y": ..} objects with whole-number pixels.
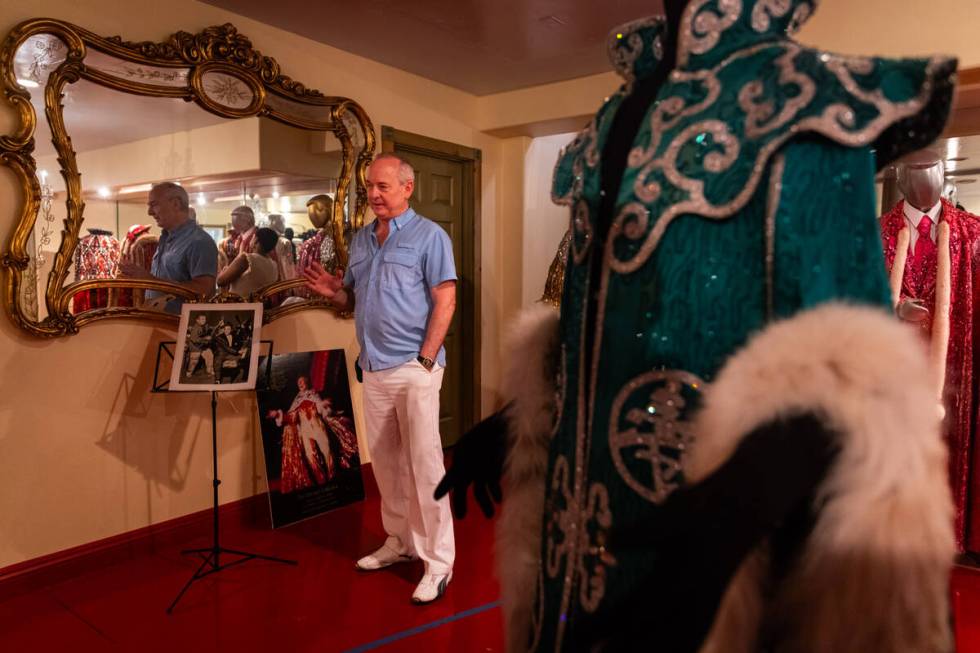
[
  {"x": 403, "y": 277},
  {"x": 239, "y": 238},
  {"x": 185, "y": 253},
  {"x": 199, "y": 345},
  {"x": 320, "y": 248}
]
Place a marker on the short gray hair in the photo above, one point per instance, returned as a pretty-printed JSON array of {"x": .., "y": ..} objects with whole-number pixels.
[
  {"x": 247, "y": 210},
  {"x": 406, "y": 173},
  {"x": 170, "y": 190}
]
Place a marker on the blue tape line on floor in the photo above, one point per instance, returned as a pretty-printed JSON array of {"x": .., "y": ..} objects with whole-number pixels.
[{"x": 424, "y": 627}]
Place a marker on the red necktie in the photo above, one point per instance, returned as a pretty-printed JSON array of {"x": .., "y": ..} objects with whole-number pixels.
[{"x": 924, "y": 247}]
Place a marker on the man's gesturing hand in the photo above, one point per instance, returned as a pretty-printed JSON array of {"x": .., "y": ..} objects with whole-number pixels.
[{"x": 322, "y": 282}]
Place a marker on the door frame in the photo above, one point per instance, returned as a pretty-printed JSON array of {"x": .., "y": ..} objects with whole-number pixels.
[{"x": 472, "y": 160}]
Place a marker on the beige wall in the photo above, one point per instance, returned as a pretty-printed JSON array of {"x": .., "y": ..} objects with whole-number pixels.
[
  {"x": 544, "y": 221},
  {"x": 897, "y": 28},
  {"x": 85, "y": 451}
]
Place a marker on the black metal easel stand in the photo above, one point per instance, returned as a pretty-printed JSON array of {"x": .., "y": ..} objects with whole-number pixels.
[{"x": 211, "y": 556}]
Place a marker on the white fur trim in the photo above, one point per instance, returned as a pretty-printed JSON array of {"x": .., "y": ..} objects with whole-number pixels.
[
  {"x": 898, "y": 265},
  {"x": 940, "y": 322},
  {"x": 874, "y": 573},
  {"x": 530, "y": 383}
]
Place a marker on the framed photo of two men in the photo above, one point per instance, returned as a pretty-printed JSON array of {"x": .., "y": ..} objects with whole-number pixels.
[{"x": 217, "y": 347}]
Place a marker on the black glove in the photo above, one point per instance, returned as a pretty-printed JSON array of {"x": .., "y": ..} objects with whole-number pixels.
[
  {"x": 478, "y": 458},
  {"x": 705, "y": 531}
]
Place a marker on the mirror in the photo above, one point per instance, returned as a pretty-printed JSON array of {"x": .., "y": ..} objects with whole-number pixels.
[{"x": 271, "y": 172}]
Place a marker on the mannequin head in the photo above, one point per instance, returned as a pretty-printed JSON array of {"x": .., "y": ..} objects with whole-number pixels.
[
  {"x": 920, "y": 178},
  {"x": 320, "y": 209},
  {"x": 277, "y": 223}
]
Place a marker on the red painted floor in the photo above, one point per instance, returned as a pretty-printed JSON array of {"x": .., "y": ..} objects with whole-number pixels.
[
  {"x": 966, "y": 608},
  {"x": 322, "y": 605}
]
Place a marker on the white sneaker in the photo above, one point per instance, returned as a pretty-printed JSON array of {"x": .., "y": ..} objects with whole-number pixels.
[
  {"x": 432, "y": 587},
  {"x": 383, "y": 557}
]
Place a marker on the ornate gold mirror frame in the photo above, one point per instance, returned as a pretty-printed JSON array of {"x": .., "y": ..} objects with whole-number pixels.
[{"x": 176, "y": 68}]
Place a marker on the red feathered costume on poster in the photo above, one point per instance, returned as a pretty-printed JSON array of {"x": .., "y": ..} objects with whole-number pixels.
[{"x": 940, "y": 279}]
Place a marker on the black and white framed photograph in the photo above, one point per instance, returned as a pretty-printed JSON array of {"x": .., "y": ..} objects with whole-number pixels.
[{"x": 217, "y": 347}]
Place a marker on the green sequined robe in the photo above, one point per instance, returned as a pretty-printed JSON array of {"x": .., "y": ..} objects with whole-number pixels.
[{"x": 748, "y": 196}]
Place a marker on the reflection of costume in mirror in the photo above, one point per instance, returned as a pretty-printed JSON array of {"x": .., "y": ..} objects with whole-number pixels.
[
  {"x": 97, "y": 257},
  {"x": 138, "y": 248},
  {"x": 321, "y": 247}
]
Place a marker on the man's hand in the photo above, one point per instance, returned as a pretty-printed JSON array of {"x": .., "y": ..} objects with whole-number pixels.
[
  {"x": 478, "y": 459},
  {"x": 322, "y": 282},
  {"x": 133, "y": 270}
]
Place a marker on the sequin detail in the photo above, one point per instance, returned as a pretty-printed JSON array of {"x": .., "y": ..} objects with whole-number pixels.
[
  {"x": 626, "y": 43},
  {"x": 650, "y": 431},
  {"x": 702, "y": 29},
  {"x": 577, "y": 535},
  {"x": 674, "y": 186}
]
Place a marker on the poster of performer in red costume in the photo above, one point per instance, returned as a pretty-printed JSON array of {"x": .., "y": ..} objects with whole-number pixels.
[{"x": 308, "y": 435}]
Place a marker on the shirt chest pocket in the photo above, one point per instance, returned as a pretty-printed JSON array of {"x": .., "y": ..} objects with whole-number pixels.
[
  {"x": 400, "y": 268},
  {"x": 359, "y": 268}
]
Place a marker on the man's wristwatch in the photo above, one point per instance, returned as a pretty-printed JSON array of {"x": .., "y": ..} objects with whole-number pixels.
[{"x": 427, "y": 363}]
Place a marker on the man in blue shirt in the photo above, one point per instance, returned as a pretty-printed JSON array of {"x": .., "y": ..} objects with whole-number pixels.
[
  {"x": 402, "y": 275},
  {"x": 186, "y": 254}
]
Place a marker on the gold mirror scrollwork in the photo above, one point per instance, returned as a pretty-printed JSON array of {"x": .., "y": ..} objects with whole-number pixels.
[{"x": 217, "y": 69}]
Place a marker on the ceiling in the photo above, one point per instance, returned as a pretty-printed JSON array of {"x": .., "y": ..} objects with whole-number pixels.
[{"x": 477, "y": 46}]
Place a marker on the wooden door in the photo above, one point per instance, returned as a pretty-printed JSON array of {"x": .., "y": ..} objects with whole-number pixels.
[{"x": 439, "y": 197}]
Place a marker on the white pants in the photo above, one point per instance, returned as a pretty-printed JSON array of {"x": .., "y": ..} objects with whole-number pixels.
[{"x": 401, "y": 413}]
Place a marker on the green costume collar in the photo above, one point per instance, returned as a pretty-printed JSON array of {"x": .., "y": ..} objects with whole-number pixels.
[
  {"x": 636, "y": 47},
  {"x": 741, "y": 90}
]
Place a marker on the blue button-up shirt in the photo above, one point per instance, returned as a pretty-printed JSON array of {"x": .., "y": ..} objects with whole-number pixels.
[
  {"x": 184, "y": 253},
  {"x": 392, "y": 288}
]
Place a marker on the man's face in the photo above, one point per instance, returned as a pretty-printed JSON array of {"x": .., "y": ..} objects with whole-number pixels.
[
  {"x": 301, "y": 383},
  {"x": 164, "y": 209},
  {"x": 201, "y": 320},
  {"x": 241, "y": 221},
  {"x": 227, "y": 329},
  {"x": 388, "y": 196}
]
